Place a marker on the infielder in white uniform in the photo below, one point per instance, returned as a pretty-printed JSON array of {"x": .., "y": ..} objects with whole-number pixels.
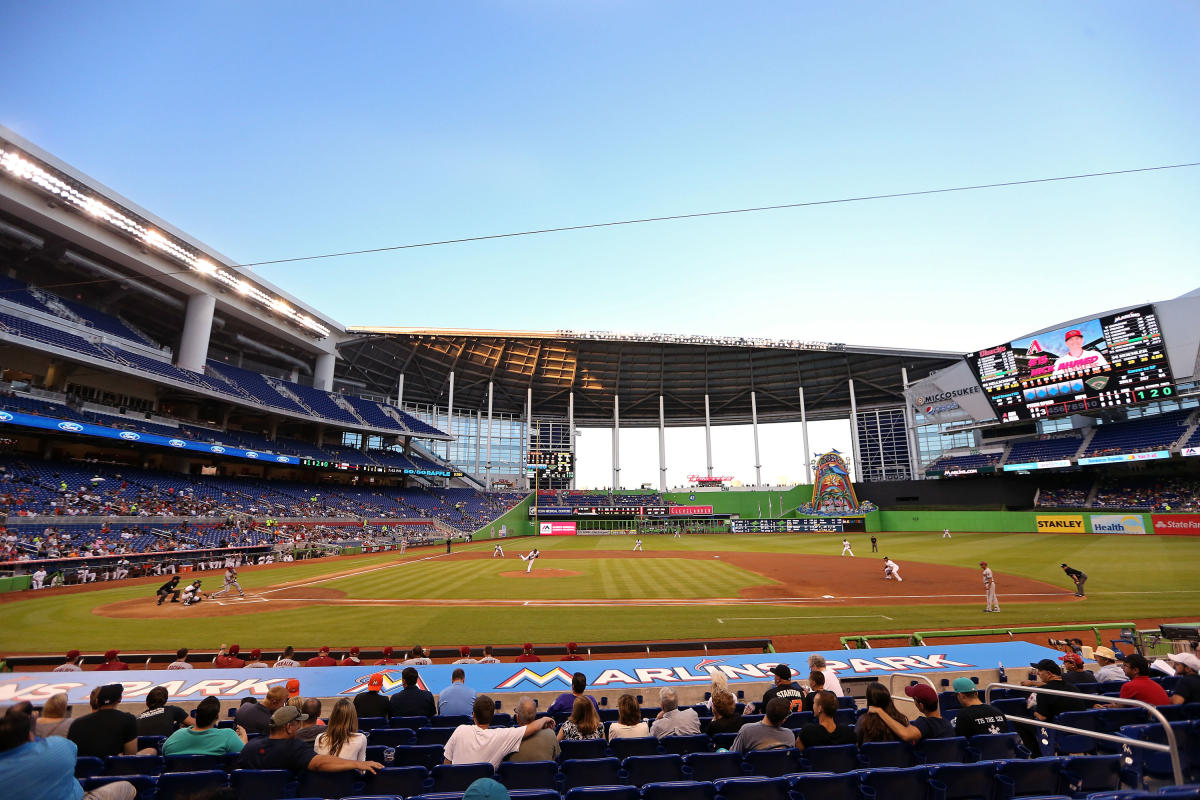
[
  {"x": 231, "y": 582},
  {"x": 891, "y": 570},
  {"x": 637, "y": 545},
  {"x": 38, "y": 579},
  {"x": 846, "y": 548},
  {"x": 989, "y": 585},
  {"x": 677, "y": 534},
  {"x": 498, "y": 551},
  {"x": 945, "y": 533},
  {"x": 529, "y": 558}
]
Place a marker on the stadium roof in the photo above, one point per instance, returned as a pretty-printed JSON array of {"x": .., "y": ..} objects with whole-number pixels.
[{"x": 637, "y": 367}]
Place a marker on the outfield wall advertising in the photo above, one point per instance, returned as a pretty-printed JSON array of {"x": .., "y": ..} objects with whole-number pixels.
[
  {"x": 1060, "y": 523},
  {"x": 1118, "y": 523},
  {"x": 547, "y": 676},
  {"x": 556, "y": 528},
  {"x": 1033, "y": 522},
  {"x": 1176, "y": 524}
]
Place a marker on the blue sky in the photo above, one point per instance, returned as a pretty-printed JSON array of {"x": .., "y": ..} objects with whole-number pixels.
[{"x": 274, "y": 129}]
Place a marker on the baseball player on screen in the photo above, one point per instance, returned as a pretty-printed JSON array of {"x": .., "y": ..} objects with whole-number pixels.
[{"x": 1077, "y": 358}]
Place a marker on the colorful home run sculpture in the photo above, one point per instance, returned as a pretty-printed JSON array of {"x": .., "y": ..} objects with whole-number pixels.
[{"x": 833, "y": 493}]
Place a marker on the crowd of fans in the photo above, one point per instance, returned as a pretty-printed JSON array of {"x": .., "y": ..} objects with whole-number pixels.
[{"x": 1126, "y": 494}]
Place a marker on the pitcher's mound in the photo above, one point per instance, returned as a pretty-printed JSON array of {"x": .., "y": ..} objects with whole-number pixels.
[{"x": 541, "y": 573}]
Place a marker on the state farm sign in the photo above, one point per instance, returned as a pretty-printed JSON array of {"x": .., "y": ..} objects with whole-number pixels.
[{"x": 1177, "y": 524}]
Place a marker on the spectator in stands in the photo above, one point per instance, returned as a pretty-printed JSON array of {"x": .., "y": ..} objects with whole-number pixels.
[
  {"x": 784, "y": 687},
  {"x": 204, "y": 738},
  {"x": 826, "y": 730},
  {"x": 321, "y": 659},
  {"x": 310, "y": 725},
  {"x": 1049, "y": 674},
  {"x": 1187, "y": 687},
  {"x": 281, "y": 750},
  {"x": 55, "y": 719},
  {"x": 1140, "y": 686},
  {"x": 1109, "y": 670},
  {"x": 629, "y": 724},
  {"x": 457, "y": 699},
  {"x": 488, "y": 658},
  {"x": 44, "y": 769},
  {"x": 584, "y": 722},
  {"x": 293, "y": 690},
  {"x": 527, "y": 654},
  {"x": 929, "y": 724},
  {"x": 371, "y": 703},
  {"x": 112, "y": 663},
  {"x": 180, "y": 661},
  {"x": 418, "y": 657},
  {"x": 672, "y": 720},
  {"x": 160, "y": 719},
  {"x": 816, "y": 683},
  {"x": 106, "y": 731},
  {"x": 412, "y": 701},
  {"x": 477, "y": 743},
  {"x": 287, "y": 658},
  {"x": 726, "y": 718},
  {"x": 1074, "y": 672},
  {"x": 228, "y": 658},
  {"x": 256, "y": 717},
  {"x": 720, "y": 683},
  {"x": 572, "y": 652},
  {"x": 542, "y": 745},
  {"x": 975, "y": 716},
  {"x": 769, "y": 734},
  {"x": 341, "y": 737},
  {"x": 883, "y": 722},
  {"x": 71, "y": 664},
  {"x": 565, "y": 702},
  {"x": 816, "y": 663}
]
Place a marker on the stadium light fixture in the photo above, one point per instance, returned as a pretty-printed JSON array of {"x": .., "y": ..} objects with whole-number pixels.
[{"x": 22, "y": 167}]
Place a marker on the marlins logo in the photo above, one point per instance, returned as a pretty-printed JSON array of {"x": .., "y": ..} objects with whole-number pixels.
[{"x": 539, "y": 680}]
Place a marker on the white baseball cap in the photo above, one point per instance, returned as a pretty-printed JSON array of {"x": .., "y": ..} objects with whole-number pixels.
[{"x": 1187, "y": 659}]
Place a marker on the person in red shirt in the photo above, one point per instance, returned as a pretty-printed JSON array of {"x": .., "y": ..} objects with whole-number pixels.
[
  {"x": 321, "y": 659},
  {"x": 527, "y": 653},
  {"x": 572, "y": 652},
  {"x": 228, "y": 658},
  {"x": 1139, "y": 686},
  {"x": 112, "y": 663},
  {"x": 387, "y": 658},
  {"x": 352, "y": 660}
]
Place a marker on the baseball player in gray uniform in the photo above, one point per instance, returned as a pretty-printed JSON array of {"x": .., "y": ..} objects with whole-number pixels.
[{"x": 989, "y": 585}]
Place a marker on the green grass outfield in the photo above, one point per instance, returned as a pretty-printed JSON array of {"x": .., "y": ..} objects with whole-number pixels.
[{"x": 1130, "y": 577}]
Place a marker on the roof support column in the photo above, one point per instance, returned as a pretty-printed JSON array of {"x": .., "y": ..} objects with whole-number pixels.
[
  {"x": 879, "y": 442},
  {"x": 804, "y": 438},
  {"x": 487, "y": 478},
  {"x": 400, "y": 393},
  {"x": 571, "y": 432},
  {"x": 662, "y": 447},
  {"x": 323, "y": 372},
  {"x": 528, "y": 432},
  {"x": 450, "y": 414},
  {"x": 754, "y": 421},
  {"x": 858, "y": 471},
  {"x": 707, "y": 436},
  {"x": 616, "y": 443},
  {"x": 910, "y": 427},
  {"x": 478, "y": 439},
  {"x": 197, "y": 328}
]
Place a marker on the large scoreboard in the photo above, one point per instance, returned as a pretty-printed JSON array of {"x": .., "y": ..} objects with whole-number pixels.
[
  {"x": 800, "y": 525},
  {"x": 1114, "y": 360},
  {"x": 557, "y": 465}
]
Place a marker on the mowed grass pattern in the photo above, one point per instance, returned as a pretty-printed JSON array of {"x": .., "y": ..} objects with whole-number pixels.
[{"x": 599, "y": 578}]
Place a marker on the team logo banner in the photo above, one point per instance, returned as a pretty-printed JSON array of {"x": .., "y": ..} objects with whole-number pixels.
[
  {"x": 617, "y": 674},
  {"x": 1062, "y": 523}
]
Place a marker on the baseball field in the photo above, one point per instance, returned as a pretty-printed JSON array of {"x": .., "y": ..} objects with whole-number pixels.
[{"x": 592, "y": 589}]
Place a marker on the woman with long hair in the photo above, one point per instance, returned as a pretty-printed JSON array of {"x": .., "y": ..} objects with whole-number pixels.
[
  {"x": 883, "y": 722},
  {"x": 584, "y": 722},
  {"x": 725, "y": 717},
  {"x": 629, "y": 724},
  {"x": 720, "y": 683},
  {"x": 341, "y": 737}
]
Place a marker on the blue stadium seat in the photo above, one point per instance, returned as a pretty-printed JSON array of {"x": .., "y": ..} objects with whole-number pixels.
[
  {"x": 404, "y": 781},
  {"x": 144, "y": 784},
  {"x": 640, "y": 770},
  {"x": 408, "y": 722},
  {"x": 1032, "y": 776},
  {"x": 996, "y": 746},
  {"x": 368, "y": 724},
  {"x": 535, "y": 794},
  {"x": 590, "y": 772},
  {"x": 623, "y": 748},
  {"x": 87, "y": 766},
  {"x": 156, "y": 742},
  {"x": 1190, "y": 792},
  {"x": 392, "y": 737},
  {"x": 911, "y": 783},
  {"x": 419, "y": 755},
  {"x": 1149, "y": 763},
  {"x": 753, "y": 787},
  {"x": 682, "y": 745},
  {"x": 582, "y": 748},
  {"x": 885, "y": 754},
  {"x": 193, "y": 763},
  {"x": 713, "y": 766},
  {"x": 1065, "y": 743},
  {"x": 457, "y": 777},
  {"x": 528, "y": 774},
  {"x": 133, "y": 765},
  {"x": 772, "y": 763},
  {"x": 679, "y": 790},
  {"x": 824, "y": 786},
  {"x": 1087, "y": 774},
  {"x": 951, "y": 750},
  {"x": 182, "y": 785},
  {"x": 431, "y": 735},
  {"x": 329, "y": 785},
  {"x": 1123, "y": 794},
  {"x": 831, "y": 758},
  {"x": 449, "y": 720},
  {"x": 260, "y": 784},
  {"x": 963, "y": 781},
  {"x": 723, "y": 741},
  {"x": 613, "y": 792}
]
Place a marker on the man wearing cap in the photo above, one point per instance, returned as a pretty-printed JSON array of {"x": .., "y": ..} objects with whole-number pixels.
[
  {"x": 351, "y": 659},
  {"x": 1077, "y": 577},
  {"x": 321, "y": 659},
  {"x": 527, "y": 654},
  {"x": 112, "y": 663},
  {"x": 255, "y": 718},
  {"x": 989, "y": 588},
  {"x": 572, "y": 652},
  {"x": 387, "y": 658},
  {"x": 71, "y": 664},
  {"x": 930, "y": 723},
  {"x": 784, "y": 687},
  {"x": 255, "y": 661},
  {"x": 228, "y": 658},
  {"x": 418, "y": 658},
  {"x": 1074, "y": 671},
  {"x": 975, "y": 716},
  {"x": 891, "y": 570},
  {"x": 1109, "y": 670},
  {"x": 282, "y": 750},
  {"x": 293, "y": 689},
  {"x": 412, "y": 700},
  {"x": 169, "y": 589},
  {"x": 464, "y": 656},
  {"x": 477, "y": 743},
  {"x": 457, "y": 699},
  {"x": 1049, "y": 706},
  {"x": 566, "y": 701},
  {"x": 1140, "y": 686},
  {"x": 106, "y": 731},
  {"x": 371, "y": 703},
  {"x": 769, "y": 733},
  {"x": 1187, "y": 687},
  {"x": 1076, "y": 358},
  {"x": 673, "y": 720}
]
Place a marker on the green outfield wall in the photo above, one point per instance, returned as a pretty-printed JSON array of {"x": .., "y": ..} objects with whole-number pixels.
[
  {"x": 516, "y": 519},
  {"x": 747, "y": 504},
  {"x": 1012, "y": 521}
]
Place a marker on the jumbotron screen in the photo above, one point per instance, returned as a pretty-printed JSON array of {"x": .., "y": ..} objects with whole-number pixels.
[
  {"x": 1115, "y": 360},
  {"x": 559, "y": 464}
]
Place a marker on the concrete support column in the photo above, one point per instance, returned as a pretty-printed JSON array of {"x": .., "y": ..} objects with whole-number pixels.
[
  {"x": 274, "y": 429},
  {"x": 707, "y": 437},
  {"x": 910, "y": 429},
  {"x": 808, "y": 476},
  {"x": 571, "y": 428},
  {"x": 528, "y": 432},
  {"x": 400, "y": 393},
  {"x": 478, "y": 439},
  {"x": 294, "y": 375},
  {"x": 662, "y": 447},
  {"x": 323, "y": 372},
  {"x": 754, "y": 425},
  {"x": 487, "y": 469},
  {"x": 879, "y": 444},
  {"x": 858, "y": 467},
  {"x": 450, "y": 414},
  {"x": 197, "y": 327},
  {"x": 320, "y": 434},
  {"x": 616, "y": 442}
]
